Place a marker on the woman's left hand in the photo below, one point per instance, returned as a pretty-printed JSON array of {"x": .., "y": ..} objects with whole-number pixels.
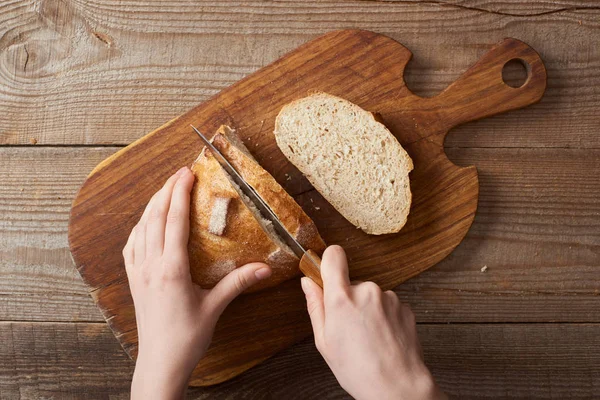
[{"x": 175, "y": 317}]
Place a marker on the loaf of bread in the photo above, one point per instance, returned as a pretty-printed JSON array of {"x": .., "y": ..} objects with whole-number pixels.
[
  {"x": 227, "y": 231},
  {"x": 353, "y": 160}
]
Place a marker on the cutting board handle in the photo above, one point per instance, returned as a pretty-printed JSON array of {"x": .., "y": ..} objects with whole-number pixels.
[{"x": 481, "y": 92}]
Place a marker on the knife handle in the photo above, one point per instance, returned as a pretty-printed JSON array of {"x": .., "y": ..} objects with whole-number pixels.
[{"x": 309, "y": 269}]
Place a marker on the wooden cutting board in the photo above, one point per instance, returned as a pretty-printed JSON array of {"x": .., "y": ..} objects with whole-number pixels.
[{"x": 363, "y": 67}]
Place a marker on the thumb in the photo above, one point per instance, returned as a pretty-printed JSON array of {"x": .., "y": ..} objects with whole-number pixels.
[
  {"x": 236, "y": 282},
  {"x": 314, "y": 304}
]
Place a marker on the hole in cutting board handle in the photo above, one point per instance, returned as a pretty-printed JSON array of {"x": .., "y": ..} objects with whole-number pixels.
[{"x": 516, "y": 72}]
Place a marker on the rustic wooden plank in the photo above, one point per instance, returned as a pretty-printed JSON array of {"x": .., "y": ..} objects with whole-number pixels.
[
  {"x": 516, "y": 361},
  {"x": 42, "y": 360},
  {"x": 37, "y": 278},
  {"x": 536, "y": 229},
  {"x": 521, "y": 361},
  {"x": 470, "y": 361},
  {"x": 104, "y": 72},
  {"x": 518, "y": 8}
]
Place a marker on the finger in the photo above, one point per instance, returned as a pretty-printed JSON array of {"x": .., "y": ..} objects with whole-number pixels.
[
  {"x": 391, "y": 302},
  {"x": 140, "y": 236},
  {"x": 157, "y": 219},
  {"x": 392, "y": 296},
  {"x": 334, "y": 270},
  {"x": 178, "y": 220},
  {"x": 314, "y": 304},
  {"x": 409, "y": 324},
  {"x": 236, "y": 282},
  {"x": 128, "y": 253},
  {"x": 407, "y": 314}
]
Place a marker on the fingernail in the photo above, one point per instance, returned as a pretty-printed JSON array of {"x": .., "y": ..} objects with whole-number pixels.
[
  {"x": 181, "y": 170},
  {"x": 304, "y": 283},
  {"x": 262, "y": 273}
]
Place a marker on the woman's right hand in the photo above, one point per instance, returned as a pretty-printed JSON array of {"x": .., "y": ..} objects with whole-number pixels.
[{"x": 366, "y": 336}]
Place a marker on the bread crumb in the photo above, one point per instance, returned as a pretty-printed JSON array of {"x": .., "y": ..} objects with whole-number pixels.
[
  {"x": 22, "y": 189},
  {"x": 579, "y": 22},
  {"x": 33, "y": 140},
  {"x": 317, "y": 208},
  {"x": 484, "y": 268}
]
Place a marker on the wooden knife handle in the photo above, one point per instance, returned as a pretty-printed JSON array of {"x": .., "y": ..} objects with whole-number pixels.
[{"x": 309, "y": 269}]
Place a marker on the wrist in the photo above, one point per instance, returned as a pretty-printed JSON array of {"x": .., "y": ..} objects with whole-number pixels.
[
  {"x": 421, "y": 386},
  {"x": 158, "y": 379}
]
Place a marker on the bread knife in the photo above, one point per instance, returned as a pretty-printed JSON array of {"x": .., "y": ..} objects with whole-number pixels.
[{"x": 310, "y": 262}]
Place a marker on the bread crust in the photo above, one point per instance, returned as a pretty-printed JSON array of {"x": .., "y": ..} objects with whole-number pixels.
[
  {"x": 281, "y": 203},
  {"x": 243, "y": 240}
]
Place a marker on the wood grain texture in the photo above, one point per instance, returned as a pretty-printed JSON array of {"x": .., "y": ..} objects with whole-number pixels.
[
  {"x": 542, "y": 260},
  {"x": 310, "y": 265},
  {"x": 514, "y": 8},
  {"x": 84, "y": 361},
  {"x": 100, "y": 72},
  {"x": 62, "y": 361},
  {"x": 468, "y": 361},
  {"x": 37, "y": 278},
  {"x": 361, "y": 66},
  {"x": 538, "y": 212},
  {"x": 106, "y": 72}
]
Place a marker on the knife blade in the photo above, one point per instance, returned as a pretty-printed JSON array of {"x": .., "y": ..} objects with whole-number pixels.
[{"x": 267, "y": 213}]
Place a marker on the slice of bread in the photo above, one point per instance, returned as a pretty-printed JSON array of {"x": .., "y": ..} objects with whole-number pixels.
[
  {"x": 353, "y": 160},
  {"x": 227, "y": 231}
]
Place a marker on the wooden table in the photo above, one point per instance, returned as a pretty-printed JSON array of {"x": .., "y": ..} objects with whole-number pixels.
[{"x": 80, "y": 79}]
